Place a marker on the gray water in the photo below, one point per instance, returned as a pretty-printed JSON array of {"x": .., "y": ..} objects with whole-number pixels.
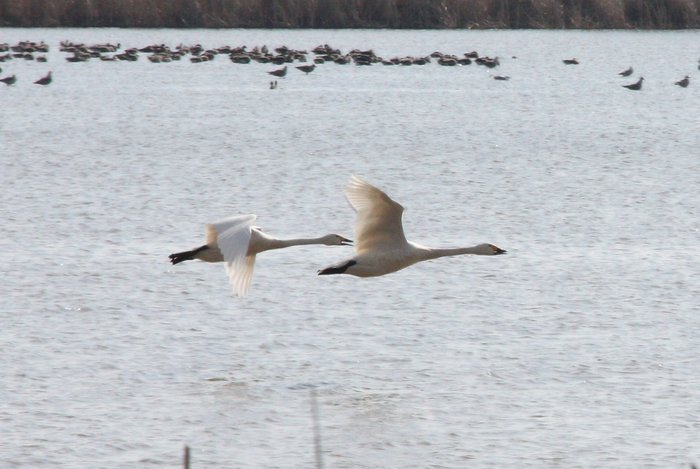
[{"x": 577, "y": 349}]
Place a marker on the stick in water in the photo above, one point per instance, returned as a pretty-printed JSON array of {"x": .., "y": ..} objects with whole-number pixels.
[
  {"x": 186, "y": 457},
  {"x": 317, "y": 429}
]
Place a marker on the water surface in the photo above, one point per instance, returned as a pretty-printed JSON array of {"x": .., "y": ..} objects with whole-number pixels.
[{"x": 577, "y": 349}]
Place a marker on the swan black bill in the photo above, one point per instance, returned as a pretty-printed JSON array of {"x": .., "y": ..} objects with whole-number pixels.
[
  {"x": 346, "y": 242},
  {"x": 339, "y": 269},
  {"x": 500, "y": 251}
]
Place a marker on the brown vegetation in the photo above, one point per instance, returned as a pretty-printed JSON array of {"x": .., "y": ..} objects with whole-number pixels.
[{"x": 586, "y": 14}]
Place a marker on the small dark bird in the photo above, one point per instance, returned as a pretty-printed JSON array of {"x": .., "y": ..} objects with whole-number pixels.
[
  {"x": 626, "y": 73},
  {"x": 44, "y": 80},
  {"x": 280, "y": 72},
  {"x": 306, "y": 68},
  {"x": 635, "y": 86},
  {"x": 572, "y": 61},
  {"x": 684, "y": 82},
  {"x": 9, "y": 80},
  {"x": 501, "y": 78}
]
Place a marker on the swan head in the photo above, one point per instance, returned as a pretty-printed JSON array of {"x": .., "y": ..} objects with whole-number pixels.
[
  {"x": 336, "y": 240},
  {"x": 487, "y": 249}
]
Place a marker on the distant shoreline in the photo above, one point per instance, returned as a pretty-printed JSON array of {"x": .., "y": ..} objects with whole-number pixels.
[{"x": 355, "y": 14}]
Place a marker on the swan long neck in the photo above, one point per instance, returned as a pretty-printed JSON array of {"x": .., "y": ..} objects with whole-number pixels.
[
  {"x": 434, "y": 253},
  {"x": 285, "y": 243}
]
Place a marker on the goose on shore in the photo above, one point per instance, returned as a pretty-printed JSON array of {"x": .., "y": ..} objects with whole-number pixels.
[
  {"x": 236, "y": 242},
  {"x": 380, "y": 244}
]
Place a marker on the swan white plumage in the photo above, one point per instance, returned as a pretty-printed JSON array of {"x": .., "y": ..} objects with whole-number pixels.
[
  {"x": 380, "y": 244},
  {"x": 236, "y": 241}
]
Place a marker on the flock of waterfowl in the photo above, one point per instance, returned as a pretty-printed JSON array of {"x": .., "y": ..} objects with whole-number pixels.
[
  {"x": 636, "y": 86},
  {"x": 160, "y": 53}
]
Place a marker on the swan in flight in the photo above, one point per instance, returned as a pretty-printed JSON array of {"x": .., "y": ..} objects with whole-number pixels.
[
  {"x": 380, "y": 244},
  {"x": 236, "y": 241}
]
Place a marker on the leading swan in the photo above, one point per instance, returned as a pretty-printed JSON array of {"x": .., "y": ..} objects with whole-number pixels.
[
  {"x": 236, "y": 241},
  {"x": 380, "y": 244}
]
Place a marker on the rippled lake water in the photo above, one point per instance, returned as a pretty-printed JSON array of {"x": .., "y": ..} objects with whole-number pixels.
[{"x": 577, "y": 349}]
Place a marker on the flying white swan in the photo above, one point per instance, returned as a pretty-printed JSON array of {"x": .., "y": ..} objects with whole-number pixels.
[
  {"x": 236, "y": 241},
  {"x": 380, "y": 244}
]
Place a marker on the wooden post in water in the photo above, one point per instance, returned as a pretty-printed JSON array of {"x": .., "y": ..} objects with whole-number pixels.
[
  {"x": 317, "y": 429},
  {"x": 186, "y": 458}
]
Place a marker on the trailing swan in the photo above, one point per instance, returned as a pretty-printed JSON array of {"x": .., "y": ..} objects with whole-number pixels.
[{"x": 236, "y": 241}]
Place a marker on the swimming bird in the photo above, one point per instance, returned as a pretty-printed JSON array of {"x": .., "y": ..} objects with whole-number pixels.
[
  {"x": 572, "y": 61},
  {"x": 626, "y": 73},
  {"x": 380, "y": 244},
  {"x": 279, "y": 72},
  {"x": 306, "y": 68},
  {"x": 9, "y": 80},
  {"x": 236, "y": 241},
  {"x": 501, "y": 77},
  {"x": 44, "y": 80},
  {"x": 635, "y": 86},
  {"x": 684, "y": 82}
]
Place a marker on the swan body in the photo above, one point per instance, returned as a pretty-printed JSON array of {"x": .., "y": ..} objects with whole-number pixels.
[
  {"x": 380, "y": 244},
  {"x": 236, "y": 242}
]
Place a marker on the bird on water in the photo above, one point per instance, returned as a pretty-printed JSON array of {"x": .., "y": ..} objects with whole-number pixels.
[
  {"x": 236, "y": 242},
  {"x": 45, "y": 80},
  {"x": 11, "y": 80},
  {"x": 684, "y": 82},
  {"x": 280, "y": 73},
  {"x": 626, "y": 73},
  {"x": 635, "y": 86},
  {"x": 380, "y": 244},
  {"x": 306, "y": 68}
]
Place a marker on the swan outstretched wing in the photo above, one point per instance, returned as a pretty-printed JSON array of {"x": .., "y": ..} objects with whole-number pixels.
[
  {"x": 233, "y": 237},
  {"x": 378, "y": 224},
  {"x": 241, "y": 275},
  {"x": 216, "y": 229}
]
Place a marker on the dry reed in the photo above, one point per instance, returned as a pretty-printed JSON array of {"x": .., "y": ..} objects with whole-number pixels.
[{"x": 432, "y": 14}]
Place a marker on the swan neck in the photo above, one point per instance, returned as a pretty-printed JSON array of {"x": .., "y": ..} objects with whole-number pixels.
[
  {"x": 284, "y": 243},
  {"x": 434, "y": 253}
]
